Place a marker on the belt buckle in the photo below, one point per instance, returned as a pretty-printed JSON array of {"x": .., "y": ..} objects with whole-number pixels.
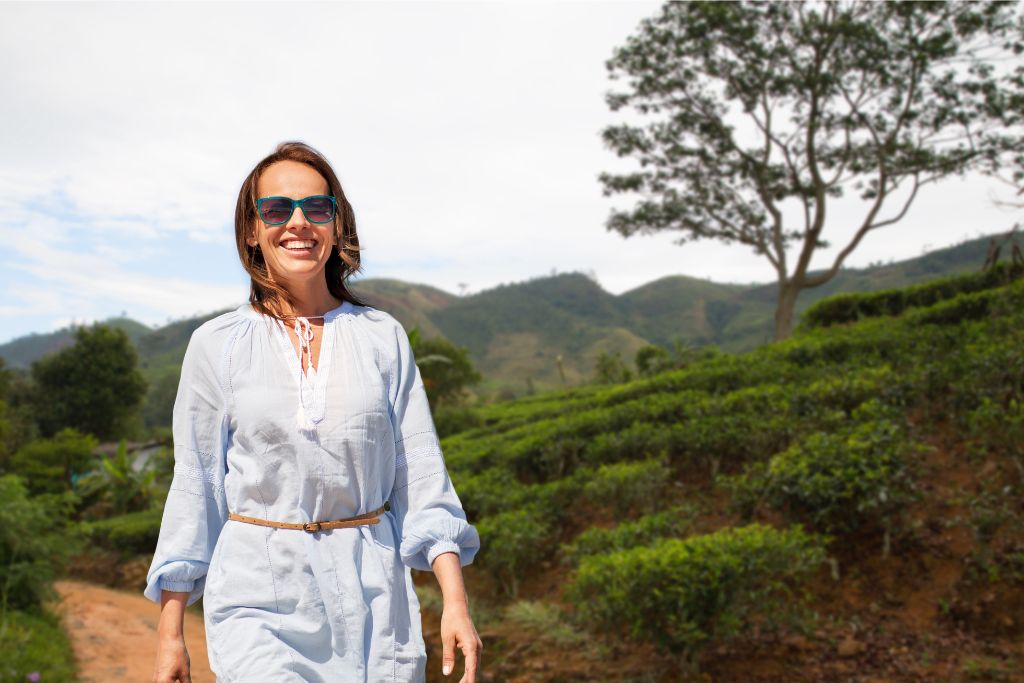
[{"x": 311, "y": 527}]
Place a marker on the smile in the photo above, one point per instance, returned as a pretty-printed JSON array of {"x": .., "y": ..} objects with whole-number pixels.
[{"x": 298, "y": 245}]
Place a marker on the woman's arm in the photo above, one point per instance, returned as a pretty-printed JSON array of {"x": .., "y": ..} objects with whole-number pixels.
[
  {"x": 172, "y": 661},
  {"x": 457, "y": 628}
]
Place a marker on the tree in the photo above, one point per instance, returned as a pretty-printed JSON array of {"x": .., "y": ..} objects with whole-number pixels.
[
  {"x": 446, "y": 369},
  {"x": 754, "y": 117},
  {"x": 609, "y": 368},
  {"x": 52, "y": 465},
  {"x": 119, "y": 484},
  {"x": 159, "y": 405},
  {"x": 94, "y": 386}
]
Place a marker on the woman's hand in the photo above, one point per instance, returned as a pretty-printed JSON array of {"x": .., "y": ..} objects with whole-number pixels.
[
  {"x": 457, "y": 631},
  {"x": 172, "y": 662}
]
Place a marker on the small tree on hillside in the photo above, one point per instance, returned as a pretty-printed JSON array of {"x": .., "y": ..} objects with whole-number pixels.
[
  {"x": 94, "y": 386},
  {"x": 761, "y": 113},
  {"x": 446, "y": 369}
]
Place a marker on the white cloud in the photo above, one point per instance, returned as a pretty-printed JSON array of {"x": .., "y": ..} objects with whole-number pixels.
[{"x": 467, "y": 136}]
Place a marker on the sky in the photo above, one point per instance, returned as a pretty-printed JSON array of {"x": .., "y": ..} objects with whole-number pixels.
[{"x": 466, "y": 136}]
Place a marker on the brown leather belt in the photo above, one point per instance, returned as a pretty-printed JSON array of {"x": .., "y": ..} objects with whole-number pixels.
[{"x": 313, "y": 527}]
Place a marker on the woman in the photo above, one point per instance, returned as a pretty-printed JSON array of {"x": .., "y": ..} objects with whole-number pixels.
[{"x": 308, "y": 476}]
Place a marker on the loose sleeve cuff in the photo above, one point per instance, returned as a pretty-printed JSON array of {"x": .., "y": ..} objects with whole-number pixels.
[
  {"x": 180, "y": 577},
  {"x": 439, "y": 532},
  {"x": 177, "y": 586},
  {"x": 442, "y": 547}
]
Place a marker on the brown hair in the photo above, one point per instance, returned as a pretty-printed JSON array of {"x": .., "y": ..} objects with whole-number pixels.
[{"x": 265, "y": 295}]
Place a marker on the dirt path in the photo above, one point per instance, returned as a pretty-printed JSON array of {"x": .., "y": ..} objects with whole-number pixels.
[{"x": 113, "y": 633}]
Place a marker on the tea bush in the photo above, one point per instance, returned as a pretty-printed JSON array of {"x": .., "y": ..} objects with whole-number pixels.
[
  {"x": 839, "y": 480},
  {"x": 681, "y": 595},
  {"x": 674, "y": 521},
  {"x": 627, "y": 486},
  {"x": 130, "y": 534},
  {"x": 514, "y": 539},
  {"x": 845, "y": 308}
]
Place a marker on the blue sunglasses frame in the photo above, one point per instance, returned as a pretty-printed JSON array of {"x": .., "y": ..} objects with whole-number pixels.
[{"x": 301, "y": 203}]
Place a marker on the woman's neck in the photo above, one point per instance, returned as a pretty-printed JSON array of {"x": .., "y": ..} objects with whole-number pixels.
[{"x": 311, "y": 301}]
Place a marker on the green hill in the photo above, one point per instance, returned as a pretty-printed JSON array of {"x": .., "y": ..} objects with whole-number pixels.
[
  {"x": 516, "y": 332},
  {"x": 21, "y": 352}
]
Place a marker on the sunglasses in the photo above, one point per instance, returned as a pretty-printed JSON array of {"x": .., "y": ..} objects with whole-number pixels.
[{"x": 278, "y": 210}]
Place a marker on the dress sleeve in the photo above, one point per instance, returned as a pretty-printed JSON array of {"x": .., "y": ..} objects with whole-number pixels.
[
  {"x": 429, "y": 513},
  {"x": 196, "y": 508}
]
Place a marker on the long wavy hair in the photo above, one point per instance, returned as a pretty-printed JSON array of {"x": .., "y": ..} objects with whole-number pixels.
[{"x": 265, "y": 295}]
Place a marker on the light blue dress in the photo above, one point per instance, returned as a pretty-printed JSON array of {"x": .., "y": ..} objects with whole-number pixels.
[{"x": 254, "y": 436}]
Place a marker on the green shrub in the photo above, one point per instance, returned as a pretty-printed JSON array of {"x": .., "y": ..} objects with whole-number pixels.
[
  {"x": 51, "y": 465},
  {"x": 34, "y": 543},
  {"x": 627, "y": 486},
  {"x": 514, "y": 540},
  {"x": 674, "y": 521},
  {"x": 488, "y": 492},
  {"x": 838, "y": 481},
  {"x": 681, "y": 595},
  {"x": 963, "y": 307},
  {"x": 845, "y": 308},
  {"x": 449, "y": 419},
  {"x": 35, "y": 647},
  {"x": 130, "y": 534}
]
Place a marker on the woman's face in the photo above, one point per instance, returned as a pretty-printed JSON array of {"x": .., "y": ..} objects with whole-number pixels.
[{"x": 296, "y": 250}]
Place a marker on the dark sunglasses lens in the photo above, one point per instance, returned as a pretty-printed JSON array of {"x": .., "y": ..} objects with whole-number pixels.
[
  {"x": 319, "y": 209},
  {"x": 276, "y": 210}
]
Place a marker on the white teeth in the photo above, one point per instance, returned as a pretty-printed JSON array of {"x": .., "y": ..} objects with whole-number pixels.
[{"x": 297, "y": 244}]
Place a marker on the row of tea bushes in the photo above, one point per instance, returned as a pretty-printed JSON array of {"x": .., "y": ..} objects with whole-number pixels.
[
  {"x": 811, "y": 431},
  {"x": 680, "y": 594},
  {"x": 748, "y": 423},
  {"x": 847, "y": 308},
  {"x": 518, "y": 537},
  {"x": 676, "y": 521},
  {"x": 860, "y": 475}
]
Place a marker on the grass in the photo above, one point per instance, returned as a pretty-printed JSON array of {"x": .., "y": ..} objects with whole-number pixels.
[{"x": 35, "y": 648}]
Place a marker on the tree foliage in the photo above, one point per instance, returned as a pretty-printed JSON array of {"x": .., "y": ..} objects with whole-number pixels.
[
  {"x": 94, "y": 386},
  {"x": 51, "y": 465},
  {"x": 446, "y": 368},
  {"x": 117, "y": 482},
  {"x": 33, "y": 545},
  {"x": 761, "y": 113}
]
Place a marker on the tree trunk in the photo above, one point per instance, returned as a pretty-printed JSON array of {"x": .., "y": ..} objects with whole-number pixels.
[{"x": 788, "y": 293}]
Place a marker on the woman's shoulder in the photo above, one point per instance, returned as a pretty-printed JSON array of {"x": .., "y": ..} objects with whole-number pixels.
[
  {"x": 220, "y": 329},
  {"x": 379, "y": 325}
]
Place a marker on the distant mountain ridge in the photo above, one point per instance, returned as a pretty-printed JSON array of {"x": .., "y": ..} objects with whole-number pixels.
[{"x": 516, "y": 332}]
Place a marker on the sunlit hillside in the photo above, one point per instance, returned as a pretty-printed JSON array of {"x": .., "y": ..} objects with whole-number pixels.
[{"x": 873, "y": 468}]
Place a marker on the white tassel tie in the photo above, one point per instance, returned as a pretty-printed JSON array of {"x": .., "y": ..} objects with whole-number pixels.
[{"x": 304, "y": 332}]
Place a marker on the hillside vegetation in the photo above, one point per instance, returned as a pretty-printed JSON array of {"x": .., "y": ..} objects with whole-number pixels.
[
  {"x": 846, "y": 503},
  {"x": 516, "y": 333}
]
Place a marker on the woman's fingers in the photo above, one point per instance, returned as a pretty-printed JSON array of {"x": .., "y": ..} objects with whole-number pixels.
[
  {"x": 472, "y": 648},
  {"x": 447, "y": 652}
]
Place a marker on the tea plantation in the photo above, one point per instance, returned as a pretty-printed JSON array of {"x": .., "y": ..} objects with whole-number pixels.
[
  {"x": 845, "y": 505},
  {"x": 727, "y": 506}
]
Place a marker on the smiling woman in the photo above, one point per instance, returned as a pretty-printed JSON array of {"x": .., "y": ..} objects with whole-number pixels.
[
  {"x": 295, "y": 172},
  {"x": 308, "y": 476}
]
